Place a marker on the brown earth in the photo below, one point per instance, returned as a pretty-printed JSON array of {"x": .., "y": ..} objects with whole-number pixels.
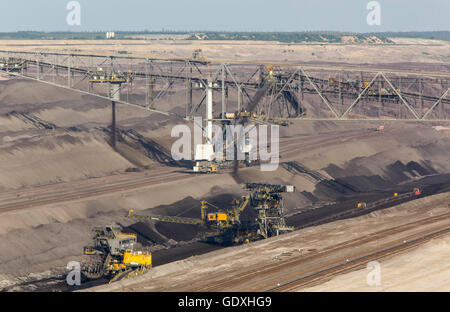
[
  {"x": 404, "y": 51},
  {"x": 59, "y": 175}
]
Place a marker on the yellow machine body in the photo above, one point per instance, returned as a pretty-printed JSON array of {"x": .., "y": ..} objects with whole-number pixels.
[
  {"x": 137, "y": 258},
  {"x": 222, "y": 217},
  {"x": 213, "y": 168},
  {"x": 112, "y": 255}
]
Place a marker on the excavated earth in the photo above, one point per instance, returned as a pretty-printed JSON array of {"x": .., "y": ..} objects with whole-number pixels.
[{"x": 54, "y": 139}]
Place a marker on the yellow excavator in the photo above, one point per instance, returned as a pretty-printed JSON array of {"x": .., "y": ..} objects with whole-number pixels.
[
  {"x": 112, "y": 255},
  {"x": 225, "y": 226},
  {"x": 220, "y": 227}
]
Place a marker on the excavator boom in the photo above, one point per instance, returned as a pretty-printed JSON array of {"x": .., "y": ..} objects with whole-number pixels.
[{"x": 182, "y": 220}]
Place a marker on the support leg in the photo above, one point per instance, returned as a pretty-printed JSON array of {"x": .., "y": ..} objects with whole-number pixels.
[{"x": 113, "y": 125}]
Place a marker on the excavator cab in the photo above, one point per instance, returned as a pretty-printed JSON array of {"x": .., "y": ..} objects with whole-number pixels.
[{"x": 211, "y": 217}]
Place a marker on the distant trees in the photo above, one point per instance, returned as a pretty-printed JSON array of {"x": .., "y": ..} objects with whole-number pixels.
[{"x": 285, "y": 37}]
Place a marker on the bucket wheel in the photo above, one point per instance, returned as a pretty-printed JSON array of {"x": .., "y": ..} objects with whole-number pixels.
[{"x": 93, "y": 267}]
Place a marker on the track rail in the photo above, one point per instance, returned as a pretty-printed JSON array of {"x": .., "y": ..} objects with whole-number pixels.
[
  {"x": 87, "y": 190},
  {"x": 265, "y": 275},
  {"x": 326, "y": 274}
]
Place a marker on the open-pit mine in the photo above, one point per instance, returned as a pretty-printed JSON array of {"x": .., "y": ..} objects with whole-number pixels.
[{"x": 359, "y": 175}]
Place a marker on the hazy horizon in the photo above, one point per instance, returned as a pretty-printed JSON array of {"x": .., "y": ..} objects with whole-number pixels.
[
  {"x": 233, "y": 15},
  {"x": 214, "y": 31}
]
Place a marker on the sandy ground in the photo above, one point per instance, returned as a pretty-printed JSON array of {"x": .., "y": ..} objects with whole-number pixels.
[
  {"x": 426, "y": 51},
  {"x": 275, "y": 261},
  {"x": 425, "y": 268},
  {"x": 54, "y": 144}
]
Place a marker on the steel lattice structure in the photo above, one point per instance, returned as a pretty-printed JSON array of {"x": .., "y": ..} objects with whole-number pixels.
[{"x": 269, "y": 91}]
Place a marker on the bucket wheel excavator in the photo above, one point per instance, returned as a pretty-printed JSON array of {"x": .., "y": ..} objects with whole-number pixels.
[
  {"x": 112, "y": 256},
  {"x": 225, "y": 226}
]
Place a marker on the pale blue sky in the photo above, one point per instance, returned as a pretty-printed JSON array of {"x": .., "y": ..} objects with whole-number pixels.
[{"x": 230, "y": 15}]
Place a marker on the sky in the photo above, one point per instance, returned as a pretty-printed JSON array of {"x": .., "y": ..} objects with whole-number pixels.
[{"x": 225, "y": 15}]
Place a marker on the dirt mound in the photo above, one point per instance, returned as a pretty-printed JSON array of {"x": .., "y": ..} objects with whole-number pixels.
[
  {"x": 186, "y": 208},
  {"x": 20, "y": 92},
  {"x": 56, "y": 156},
  {"x": 32, "y": 120},
  {"x": 150, "y": 148},
  {"x": 146, "y": 234}
]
